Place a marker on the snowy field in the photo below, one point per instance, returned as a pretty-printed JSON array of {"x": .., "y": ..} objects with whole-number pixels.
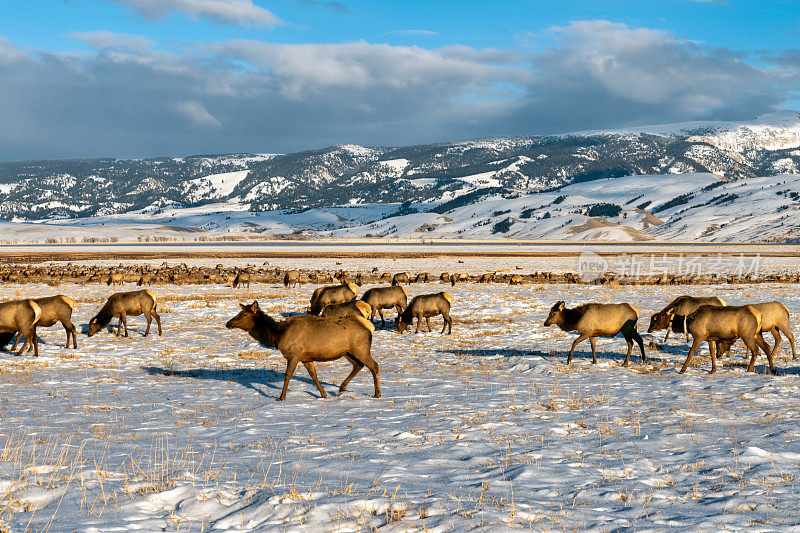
[{"x": 486, "y": 429}]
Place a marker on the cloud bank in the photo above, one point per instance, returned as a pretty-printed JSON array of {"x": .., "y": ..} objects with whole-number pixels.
[{"x": 129, "y": 96}]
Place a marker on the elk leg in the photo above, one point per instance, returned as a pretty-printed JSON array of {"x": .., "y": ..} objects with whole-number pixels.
[
  {"x": 35, "y": 343},
  {"x": 580, "y": 338},
  {"x": 428, "y": 321},
  {"x": 380, "y": 312},
  {"x": 158, "y": 320},
  {"x": 357, "y": 366},
  {"x": 16, "y": 341},
  {"x": 448, "y": 321},
  {"x": 686, "y": 329},
  {"x": 630, "y": 348},
  {"x": 69, "y": 327},
  {"x": 787, "y": 332},
  {"x": 313, "y": 373},
  {"x": 419, "y": 321},
  {"x": 695, "y": 345},
  {"x": 669, "y": 328},
  {"x": 763, "y": 345},
  {"x": 712, "y": 352},
  {"x": 640, "y": 342},
  {"x": 291, "y": 364},
  {"x": 149, "y": 319},
  {"x": 594, "y": 351}
]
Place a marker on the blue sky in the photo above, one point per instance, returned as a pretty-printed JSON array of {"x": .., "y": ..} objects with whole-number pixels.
[{"x": 174, "y": 77}]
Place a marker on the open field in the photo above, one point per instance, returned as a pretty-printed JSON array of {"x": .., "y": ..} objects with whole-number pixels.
[{"x": 487, "y": 428}]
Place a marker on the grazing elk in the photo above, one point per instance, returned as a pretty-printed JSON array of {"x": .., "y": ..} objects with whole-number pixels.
[
  {"x": 344, "y": 309},
  {"x": 145, "y": 279},
  {"x": 673, "y": 316},
  {"x": 242, "y": 278},
  {"x": 115, "y": 278},
  {"x": 306, "y": 339},
  {"x": 425, "y": 306},
  {"x": 291, "y": 278},
  {"x": 122, "y": 304},
  {"x": 713, "y": 323},
  {"x": 401, "y": 277},
  {"x": 55, "y": 309},
  {"x": 380, "y": 298},
  {"x": 598, "y": 320},
  {"x": 20, "y": 316},
  {"x": 331, "y": 294},
  {"x": 422, "y": 277},
  {"x": 486, "y": 278},
  {"x": 775, "y": 319}
]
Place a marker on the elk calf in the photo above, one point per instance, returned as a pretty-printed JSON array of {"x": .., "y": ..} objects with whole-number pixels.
[
  {"x": 305, "y": 339},
  {"x": 331, "y": 294},
  {"x": 20, "y": 316},
  {"x": 242, "y": 278},
  {"x": 345, "y": 309},
  {"x": 122, "y": 304},
  {"x": 55, "y": 309},
  {"x": 598, "y": 320},
  {"x": 775, "y": 319},
  {"x": 425, "y": 306},
  {"x": 380, "y": 298},
  {"x": 291, "y": 278},
  {"x": 712, "y": 323},
  {"x": 674, "y": 315}
]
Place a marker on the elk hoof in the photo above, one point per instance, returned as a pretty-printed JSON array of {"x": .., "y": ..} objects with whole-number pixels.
[{"x": 377, "y": 395}]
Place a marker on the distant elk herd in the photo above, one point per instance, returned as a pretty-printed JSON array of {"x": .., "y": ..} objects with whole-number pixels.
[{"x": 338, "y": 324}]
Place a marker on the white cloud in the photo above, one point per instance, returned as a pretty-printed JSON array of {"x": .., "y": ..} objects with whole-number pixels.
[
  {"x": 243, "y": 12},
  {"x": 197, "y": 113}
]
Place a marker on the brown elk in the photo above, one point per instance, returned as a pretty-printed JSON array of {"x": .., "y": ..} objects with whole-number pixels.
[
  {"x": 20, "y": 316},
  {"x": 55, "y": 309},
  {"x": 380, "y": 298},
  {"x": 598, "y": 320},
  {"x": 306, "y": 339},
  {"x": 486, "y": 278},
  {"x": 422, "y": 277},
  {"x": 775, "y": 319},
  {"x": 331, "y": 294},
  {"x": 401, "y": 277},
  {"x": 673, "y": 316},
  {"x": 425, "y": 306},
  {"x": 291, "y": 278},
  {"x": 145, "y": 279},
  {"x": 711, "y": 323},
  {"x": 242, "y": 278},
  {"x": 122, "y": 304},
  {"x": 344, "y": 309},
  {"x": 115, "y": 278}
]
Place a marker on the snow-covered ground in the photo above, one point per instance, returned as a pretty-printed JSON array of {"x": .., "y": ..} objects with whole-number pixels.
[{"x": 485, "y": 429}]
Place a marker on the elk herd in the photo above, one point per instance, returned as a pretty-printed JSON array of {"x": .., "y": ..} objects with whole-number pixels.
[{"x": 337, "y": 324}]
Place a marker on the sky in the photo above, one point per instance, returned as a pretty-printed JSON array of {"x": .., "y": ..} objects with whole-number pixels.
[{"x": 143, "y": 78}]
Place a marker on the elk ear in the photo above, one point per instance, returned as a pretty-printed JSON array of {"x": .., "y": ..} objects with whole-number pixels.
[
  {"x": 254, "y": 306},
  {"x": 671, "y": 313},
  {"x": 243, "y": 306},
  {"x": 560, "y": 305}
]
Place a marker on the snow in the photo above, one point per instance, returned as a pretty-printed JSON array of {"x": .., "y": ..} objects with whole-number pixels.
[
  {"x": 397, "y": 166},
  {"x": 485, "y": 429},
  {"x": 215, "y": 185}
]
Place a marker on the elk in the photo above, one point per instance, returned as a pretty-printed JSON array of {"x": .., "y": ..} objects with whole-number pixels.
[
  {"x": 20, "y": 316},
  {"x": 114, "y": 278},
  {"x": 486, "y": 278},
  {"x": 598, "y": 320},
  {"x": 380, "y": 298},
  {"x": 344, "y": 309},
  {"x": 713, "y": 323},
  {"x": 145, "y": 279},
  {"x": 775, "y": 319},
  {"x": 291, "y": 278},
  {"x": 422, "y": 277},
  {"x": 242, "y": 278},
  {"x": 425, "y": 306},
  {"x": 306, "y": 339},
  {"x": 331, "y": 294},
  {"x": 122, "y": 304},
  {"x": 401, "y": 277},
  {"x": 55, "y": 309},
  {"x": 675, "y": 314}
]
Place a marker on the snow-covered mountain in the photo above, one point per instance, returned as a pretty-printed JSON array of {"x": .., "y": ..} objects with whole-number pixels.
[{"x": 527, "y": 187}]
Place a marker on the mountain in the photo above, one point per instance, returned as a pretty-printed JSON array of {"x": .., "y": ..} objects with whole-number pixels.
[{"x": 398, "y": 190}]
